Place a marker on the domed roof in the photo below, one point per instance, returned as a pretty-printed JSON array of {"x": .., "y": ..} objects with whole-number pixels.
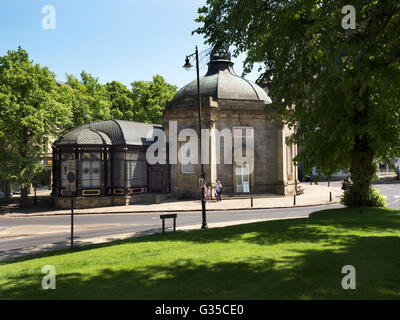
[
  {"x": 221, "y": 82},
  {"x": 84, "y": 136},
  {"x": 109, "y": 132}
]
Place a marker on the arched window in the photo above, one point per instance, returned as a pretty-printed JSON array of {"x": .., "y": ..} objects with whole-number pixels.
[
  {"x": 136, "y": 169},
  {"x": 91, "y": 173},
  {"x": 65, "y": 156},
  {"x": 187, "y": 166}
]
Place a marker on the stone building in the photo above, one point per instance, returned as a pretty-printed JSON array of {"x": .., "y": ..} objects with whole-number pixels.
[{"x": 231, "y": 102}]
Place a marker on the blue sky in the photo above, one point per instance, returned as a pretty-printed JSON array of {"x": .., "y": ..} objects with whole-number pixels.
[{"x": 123, "y": 40}]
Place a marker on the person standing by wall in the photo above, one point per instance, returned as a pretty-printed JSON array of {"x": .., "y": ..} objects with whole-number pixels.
[
  {"x": 205, "y": 190},
  {"x": 209, "y": 194},
  {"x": 218, "y": 189}
]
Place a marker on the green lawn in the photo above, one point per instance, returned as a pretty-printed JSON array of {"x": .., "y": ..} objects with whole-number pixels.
[{"x": 282, "y": 259}]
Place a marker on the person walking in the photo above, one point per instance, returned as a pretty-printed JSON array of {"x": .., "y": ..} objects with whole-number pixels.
[{"x": 218, "y": 189}]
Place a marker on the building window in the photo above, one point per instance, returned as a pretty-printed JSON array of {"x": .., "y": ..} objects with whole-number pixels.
[
  {"x": 108, "y": 171},
  {"x": 118, "y": 169},
  {"x": 187, "y": 166},
  {"x": 64, "y": 158},
  {"x": 242, "y": 178},
  {"x": 136, "y": 169},
  {"x": 243, "y": 135},
  {"x": 289, "y": 160},
  {"x": 91, "y": 170}
]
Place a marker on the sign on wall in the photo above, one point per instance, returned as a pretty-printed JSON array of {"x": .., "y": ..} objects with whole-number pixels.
[
  {"x": 71, "y": 175},
  {"x": 246, "y": 187}
]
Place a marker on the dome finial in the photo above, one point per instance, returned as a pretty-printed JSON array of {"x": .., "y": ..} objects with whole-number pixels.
[{"x": 220, "y": 53}]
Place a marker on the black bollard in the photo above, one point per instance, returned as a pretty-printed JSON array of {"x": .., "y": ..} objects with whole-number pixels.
[
  {"x": 294, "y": 200},
  {"x": 72, "y": 222},
  {"x": 252, "y": 202},
  {"x": 330, "y": 196}
]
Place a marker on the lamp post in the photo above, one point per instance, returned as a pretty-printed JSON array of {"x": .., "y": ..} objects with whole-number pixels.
[{"x": 188, "y": 66}]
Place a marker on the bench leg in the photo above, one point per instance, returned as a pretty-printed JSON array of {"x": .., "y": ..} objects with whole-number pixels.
[
  {"x": 163, "y": 225},
  {"x": 174, "y": 224}
]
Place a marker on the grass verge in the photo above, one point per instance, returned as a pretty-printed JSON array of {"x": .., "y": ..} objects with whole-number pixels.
[{"x": 282, "y": 259}]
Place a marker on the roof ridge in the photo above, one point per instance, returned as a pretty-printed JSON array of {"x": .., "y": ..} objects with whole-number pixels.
[
  {"x": 120, "y": 128},
  {"x": 102, "y": 134},
  {"x": 250, "y": 83},
  {"x": 217, "y": 86}
]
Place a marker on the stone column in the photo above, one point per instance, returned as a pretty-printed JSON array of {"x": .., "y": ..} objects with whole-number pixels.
[
  {"x": 281, "y": 174},
  {"x": 296, "y": 167},
  {"x": 213, "y": 157}
]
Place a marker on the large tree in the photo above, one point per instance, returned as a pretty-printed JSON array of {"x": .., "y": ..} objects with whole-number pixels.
[
  {"x": 150, "y": 98},
  {"x": 122, "y": 106},
  {"x": 90, "y": 100},
  {"x": 30, "y": 116},
  {"x": 338, "y": 86},
  {"x": 87, "y": 99}
]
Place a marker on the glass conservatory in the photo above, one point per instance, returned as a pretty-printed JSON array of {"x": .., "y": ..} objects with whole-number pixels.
[{"x": 111, "y": 164}]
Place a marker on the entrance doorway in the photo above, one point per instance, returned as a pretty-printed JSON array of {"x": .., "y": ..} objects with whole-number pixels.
[
  {"x": 156, "y": 179},
  {"x": 242, "y": 179}
]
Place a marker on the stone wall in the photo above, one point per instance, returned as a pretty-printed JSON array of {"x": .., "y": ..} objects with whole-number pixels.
[{"x": 91, "y": 202}]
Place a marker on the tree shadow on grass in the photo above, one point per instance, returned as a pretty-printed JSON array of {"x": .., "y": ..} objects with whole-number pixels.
[
  {"x": 312, "y": 274},
  {"x": 319, "y": 228},
  {"x": 308, "y": 274},
  {"x": 62, "y": 247},
  {"x": 323, "y": 226}
]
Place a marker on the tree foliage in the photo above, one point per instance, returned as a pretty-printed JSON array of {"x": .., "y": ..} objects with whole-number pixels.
[
  {"x": 30, "y": 114},
  {"x": 338, "y": 87},
  {"x": 150, "y": 98},
  {"x": 91, "y": 101},
  {"x": 122, "y": 106},
  {"x": 87, "y": 98},
  {"x": 34, "y": 111}
]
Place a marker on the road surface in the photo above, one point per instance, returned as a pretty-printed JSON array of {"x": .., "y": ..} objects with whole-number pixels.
[{"x": 24, "y": 235}]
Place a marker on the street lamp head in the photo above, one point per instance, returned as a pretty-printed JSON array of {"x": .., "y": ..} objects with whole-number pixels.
[{"x": 187, "y": 64}]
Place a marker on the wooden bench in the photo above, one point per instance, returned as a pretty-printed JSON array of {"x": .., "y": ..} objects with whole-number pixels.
[
  {"x": 168, "y": 216},
  {"x": 299, "y": 190}
]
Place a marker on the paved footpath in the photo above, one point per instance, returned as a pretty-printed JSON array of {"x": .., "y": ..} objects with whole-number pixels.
[{"x": 313, "y": 195}]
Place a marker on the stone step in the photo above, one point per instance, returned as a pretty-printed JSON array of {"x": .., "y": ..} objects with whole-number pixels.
[
  {"x": 148, "y": 198},
  {"x": 231, "y": 196}
]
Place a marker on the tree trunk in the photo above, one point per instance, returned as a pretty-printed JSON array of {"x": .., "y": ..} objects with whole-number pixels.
[
  {"x": 362, "y": 172},
  {"x": 24, "y": 196},
  {"x": 8, "y": 189},
  {"x": 35, "y": 197}
]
